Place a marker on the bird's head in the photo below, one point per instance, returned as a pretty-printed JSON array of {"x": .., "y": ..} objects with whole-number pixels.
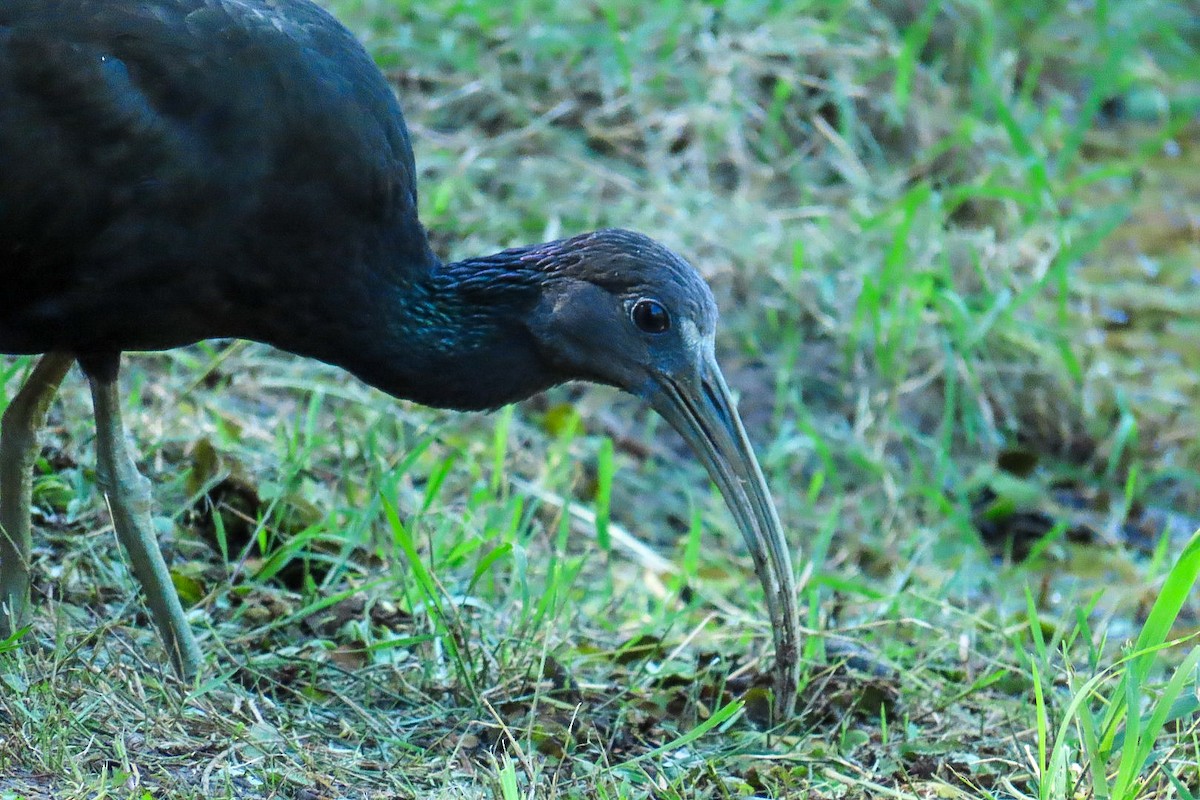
[{"x": 619, "y": 308}]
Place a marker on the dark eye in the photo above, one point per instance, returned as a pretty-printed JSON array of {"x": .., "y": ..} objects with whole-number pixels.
[{"x": 650, "y": 316}]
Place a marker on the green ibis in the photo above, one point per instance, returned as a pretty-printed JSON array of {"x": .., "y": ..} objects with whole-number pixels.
[{"x": 179, "y": 170}]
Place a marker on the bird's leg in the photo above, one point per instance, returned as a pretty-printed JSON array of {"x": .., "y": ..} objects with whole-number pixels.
[
  {"x": 127, "y": 492},
  {"x": 18, "y": 448}
]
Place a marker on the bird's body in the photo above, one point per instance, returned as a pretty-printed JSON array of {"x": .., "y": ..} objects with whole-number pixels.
[
  {"x": 177, "y": 170},
  {"x": 166, "y": 205}
]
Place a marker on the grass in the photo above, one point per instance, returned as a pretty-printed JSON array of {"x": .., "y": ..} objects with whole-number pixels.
[{"x": 955, "y": 249}]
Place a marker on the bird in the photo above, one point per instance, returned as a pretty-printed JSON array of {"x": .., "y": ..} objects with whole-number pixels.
[{"x": 173, "y": 171}]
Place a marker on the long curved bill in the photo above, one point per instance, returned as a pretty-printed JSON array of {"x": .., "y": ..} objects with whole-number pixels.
[{"x": 702, "y": 410}]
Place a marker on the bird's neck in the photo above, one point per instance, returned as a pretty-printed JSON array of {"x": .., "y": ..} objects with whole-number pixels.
[{"x": 456, "y": 337}]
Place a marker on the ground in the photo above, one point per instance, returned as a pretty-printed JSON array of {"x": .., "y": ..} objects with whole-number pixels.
[{"x": 956, "y": 247}]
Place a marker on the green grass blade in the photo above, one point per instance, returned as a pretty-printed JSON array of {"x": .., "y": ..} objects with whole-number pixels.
[
  {"x": 604, "y": 484},
  {"x": 1175, "y": 591},
  {"x": 915, "y": 38}
]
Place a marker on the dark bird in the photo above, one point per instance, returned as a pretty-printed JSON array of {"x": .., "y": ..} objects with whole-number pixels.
[{"x": 178, "y": 170}]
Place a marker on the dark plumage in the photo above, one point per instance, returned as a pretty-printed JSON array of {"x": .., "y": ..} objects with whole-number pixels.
[{"x": 176, "y": 170}]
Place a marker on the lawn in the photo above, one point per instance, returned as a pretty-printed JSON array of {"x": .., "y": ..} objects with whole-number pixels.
[{"x": 956, "y": 247}]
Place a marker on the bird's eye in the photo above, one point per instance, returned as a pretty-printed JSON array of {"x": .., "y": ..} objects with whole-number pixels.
[{"x": 650, "y": 316}]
